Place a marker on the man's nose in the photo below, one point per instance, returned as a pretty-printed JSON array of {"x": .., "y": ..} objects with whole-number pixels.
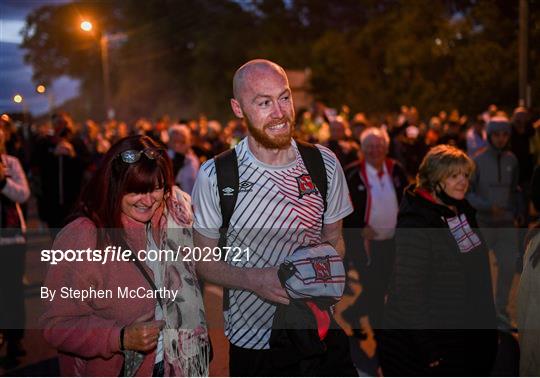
[{"x": 277, "y": 112}]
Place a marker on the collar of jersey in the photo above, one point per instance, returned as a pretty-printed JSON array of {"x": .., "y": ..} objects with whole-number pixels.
[{"x": 268, "y": 166}]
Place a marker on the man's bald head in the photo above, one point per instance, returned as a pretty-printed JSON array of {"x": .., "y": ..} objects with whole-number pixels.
[
  {"x": 252, "y": 69},
  {"x": 262, "y": 98}
]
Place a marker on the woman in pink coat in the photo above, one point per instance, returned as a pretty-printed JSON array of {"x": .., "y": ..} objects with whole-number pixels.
[{"x": 139, "y": 317}]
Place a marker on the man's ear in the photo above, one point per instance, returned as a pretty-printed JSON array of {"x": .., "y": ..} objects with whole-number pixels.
[{"x": 236, "y": 108}]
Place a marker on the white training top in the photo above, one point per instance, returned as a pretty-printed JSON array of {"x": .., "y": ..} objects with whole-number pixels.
[
  {"x": 384, "y": 205},
  {"x": 278, "y": 210}
]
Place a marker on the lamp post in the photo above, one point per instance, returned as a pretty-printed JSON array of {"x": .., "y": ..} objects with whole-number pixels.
[
  {"x": 19, "y": 99},
  {"x": 42, "y": 89},
  {"x": 104, "y": 48},
  {"x": 523, "y": 43}
]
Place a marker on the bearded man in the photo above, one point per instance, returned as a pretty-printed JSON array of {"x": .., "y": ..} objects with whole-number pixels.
[{"x": 278, "y": 209}]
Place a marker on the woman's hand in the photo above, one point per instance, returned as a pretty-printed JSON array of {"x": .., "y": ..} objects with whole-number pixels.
[{"x": 142, "y": 336}]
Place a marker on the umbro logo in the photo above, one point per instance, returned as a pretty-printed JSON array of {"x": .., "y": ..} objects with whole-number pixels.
[
  {"x": 228, "y": 191},
  {"x": 245, "y": 186}
]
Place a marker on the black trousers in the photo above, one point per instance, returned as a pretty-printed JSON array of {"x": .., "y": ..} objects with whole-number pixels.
[
  {"x": 12, "y": 313},
  {"x": 470, "y": 352},
  {"x": 336, "y": 361},
  {"x": 375, "y": 279}
]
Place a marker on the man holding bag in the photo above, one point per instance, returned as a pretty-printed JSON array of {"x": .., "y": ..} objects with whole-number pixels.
[{"x": 278, "y": 207}]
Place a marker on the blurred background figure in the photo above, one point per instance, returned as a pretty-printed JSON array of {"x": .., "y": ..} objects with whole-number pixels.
[
  {"x": 340, "y": 142},
  {"x": 522, "y": 132},
  {"x": 535, "y": 180},
  {"x": 160, "y": 130},
  {"x": 185, "y": 162},
  {"x": 494, "y": 193},
  {"x": 528, "y": 307},
  {"x": 358, "y": 125},
  {"x": 59, "y": 161},
  {"x": 476, "y": 136},
  {"x": 14, "y": 190},
  {"x": 434, "y": 131},
  {"x": 96, "y": 144},
  {"x": 535, "y": 143},
  {"x": 453, "y": 135},
  {"x": 520, "y": 145},
  {"x": 376, "y": 185},
  {"x": 214, "y": 137},
  {"x": 235, "y": 131},
  {"x": 144, "y": 127},
  {"x": 410, "y": 149}
]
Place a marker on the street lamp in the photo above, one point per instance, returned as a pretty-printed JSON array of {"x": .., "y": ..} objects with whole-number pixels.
[
  {"x": 41, "y": 89},
  {"x": 86, "y": 26},
  {"x": 19, "y": 99},
  {"x": 104, "y": 47}
]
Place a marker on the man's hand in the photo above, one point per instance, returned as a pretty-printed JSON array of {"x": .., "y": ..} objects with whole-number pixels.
[
  {"x": 262, "y": 281},
  {"x": 265, "y": 283},
  {"x": 142, "y": 336}
]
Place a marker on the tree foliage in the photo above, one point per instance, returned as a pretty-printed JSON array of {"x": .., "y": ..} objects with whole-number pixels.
[{"x": 178, "y": 57}]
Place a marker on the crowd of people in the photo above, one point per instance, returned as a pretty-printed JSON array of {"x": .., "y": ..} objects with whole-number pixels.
[{"x": 411, "y": 207}]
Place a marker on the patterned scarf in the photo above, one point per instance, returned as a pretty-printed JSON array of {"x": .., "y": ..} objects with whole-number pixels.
[{"x": 185, "y": 336}]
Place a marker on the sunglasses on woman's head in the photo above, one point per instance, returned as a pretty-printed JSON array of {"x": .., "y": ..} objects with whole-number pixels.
[{"x": 133, "y": 156}]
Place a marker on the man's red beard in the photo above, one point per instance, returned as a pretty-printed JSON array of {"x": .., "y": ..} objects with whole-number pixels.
[{"x": 272, "y": 142}]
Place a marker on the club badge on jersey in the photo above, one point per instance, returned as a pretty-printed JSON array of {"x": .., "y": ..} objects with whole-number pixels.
[{"x": 305, "y": 185}]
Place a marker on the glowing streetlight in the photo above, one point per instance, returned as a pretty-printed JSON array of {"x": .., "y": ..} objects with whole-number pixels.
[
  {"x": 86, "y": 26},
  {"x": 41, "y": 89},
  {"x": 18, "y": 99},
  {"x": 104, "y": 47}
]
